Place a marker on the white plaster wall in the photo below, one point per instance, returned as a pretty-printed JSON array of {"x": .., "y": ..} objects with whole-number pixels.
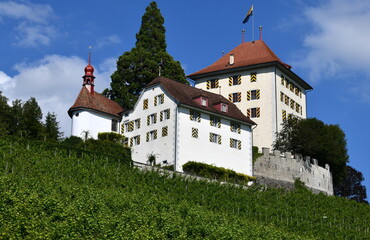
[
  {"x": 282, "y": 106},
  {"x": 162, "y": 147},
  {"x": 90, "y": 121},
  {"x": 202, "y": 150},
  {"x": 264, "y": 133},
  {"x": 269, "y": 84}
]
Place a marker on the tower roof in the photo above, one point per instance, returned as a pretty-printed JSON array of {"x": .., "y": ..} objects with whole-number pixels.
[
  {"x": 185, "y": 94},
  {"x": 95, "y": 102},
  {"x": 248, "y": 55}
]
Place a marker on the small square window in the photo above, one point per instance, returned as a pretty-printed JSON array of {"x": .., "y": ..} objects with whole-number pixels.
[
  {"x": 114, "y": 127},
  {"x": 253, "y": 94},
  {"x": 137, "y": 123},
  {"x": 224, "y": 107},
  {"x": 236, "y": 97},
  {"x": 204, "y": 102}
]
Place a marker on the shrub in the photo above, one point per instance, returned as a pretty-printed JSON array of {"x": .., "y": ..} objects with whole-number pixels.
[
  {"x": 219, "y": 173},
  {"x": 111, "y": 136}
]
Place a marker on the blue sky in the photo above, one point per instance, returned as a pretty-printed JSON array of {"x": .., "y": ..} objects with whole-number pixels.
[{"x": 44, "y": 49}]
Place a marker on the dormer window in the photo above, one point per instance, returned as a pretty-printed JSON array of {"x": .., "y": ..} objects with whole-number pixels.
[
  {"x": 231, "y": 59},
  {"x": 204, "y": 102},
  {"x": 224, "y": 107}
]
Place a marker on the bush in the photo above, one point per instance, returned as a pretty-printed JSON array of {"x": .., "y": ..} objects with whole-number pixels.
[
  {"x": 218, "y": 173},
  {"x": 111, "y": 137}
]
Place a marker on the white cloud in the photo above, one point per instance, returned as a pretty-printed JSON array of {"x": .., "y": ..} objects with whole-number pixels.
[
  {"x": 32, "y": 12},
  {"x": 108, "y": 40},
  {"x": 33, "y": 27},
  {"x": 54, "y": 81},
  {"x": 340, "y": 38}
]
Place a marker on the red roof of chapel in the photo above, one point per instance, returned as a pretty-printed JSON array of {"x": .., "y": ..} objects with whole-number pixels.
[{"x": 96, "y": 102}]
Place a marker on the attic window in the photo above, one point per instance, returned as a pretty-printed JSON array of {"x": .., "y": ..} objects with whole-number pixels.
[
  {"x": 231, "y": 60},
  {"x": 224, "y": 107},
  {"x": 204, "y": 101}
]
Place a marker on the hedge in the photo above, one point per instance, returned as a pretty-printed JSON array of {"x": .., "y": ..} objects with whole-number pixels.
[{"x": 218, "y": 173}]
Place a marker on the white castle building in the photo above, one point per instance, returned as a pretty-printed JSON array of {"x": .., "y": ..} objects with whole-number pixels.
[
  {"x": 174, "y": 122},
  {"x": 178, "y": 123},
  {"x": 263, "y": 87}
]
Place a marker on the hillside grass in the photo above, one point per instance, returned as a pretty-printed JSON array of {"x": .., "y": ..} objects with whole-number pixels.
[{"x": 54, "y": 193}]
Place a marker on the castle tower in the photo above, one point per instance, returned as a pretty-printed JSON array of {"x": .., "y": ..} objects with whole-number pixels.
[{"x": 263, "y": 87}]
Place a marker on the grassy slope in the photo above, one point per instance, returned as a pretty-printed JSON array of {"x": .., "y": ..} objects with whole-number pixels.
[{"x": 52, "y": 194}]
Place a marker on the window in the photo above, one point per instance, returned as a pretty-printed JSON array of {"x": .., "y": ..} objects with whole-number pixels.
[
  {"x": 204, "y": 101},
  {"x": 235, "y": 80},
  {"x": 159, "y": 99},
  {"x": 253, "y": 112},
  {"x": 194, "y": 132},
  {"x": 137, "y": 123},
  {"x": 212, "y": 83},
  {"x": 235, "y": 97},
  {"x": 281, "y": 96},
  {"x": 292, "y": 103},
  {"x": 234, "y": 143},
  {"x": 135, "y": 141},
  {"x": 235, "y": 127},
  {"x": 215, "y": 138},
  {"x": 145, "y": 104},
  {"x": 282, "y": 80},
  {"x": 114, "y": 127},
  {"x": 152, "y": 135},
  {"x": 164, "y": 115},
  {"x": 215, "y": 121},
  {"x": 151, "y": 119},
  {"x": 194, "y": 115},
  {"x": 224, "y": 107},
  {"x": 164, "y": 131},
  {"x": 253, "y": 94}
]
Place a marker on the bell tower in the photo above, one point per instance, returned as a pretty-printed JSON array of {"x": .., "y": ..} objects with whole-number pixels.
[{"x": 88, "y": 78}]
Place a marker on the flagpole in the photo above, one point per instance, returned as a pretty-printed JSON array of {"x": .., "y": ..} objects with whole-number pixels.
[{"x": 253, "y": 24}]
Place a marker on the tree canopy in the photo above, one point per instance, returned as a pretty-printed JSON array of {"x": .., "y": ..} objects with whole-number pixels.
[
  {"x": 311, "y": 137},
  {"x": 25, "y": 120},
  {"x": 147, "y": 60},
  {"x": 351, "y": 186}
]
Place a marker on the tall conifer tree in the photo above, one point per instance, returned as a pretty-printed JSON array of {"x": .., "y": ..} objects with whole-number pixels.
[{"x": 146, "y": 61}]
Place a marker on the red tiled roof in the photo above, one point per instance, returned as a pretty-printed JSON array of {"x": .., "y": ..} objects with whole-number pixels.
[
  {"x": 248, "y": 53},
  {"x": 185, "y": 94},
  {"x": 95, "y": 102}
]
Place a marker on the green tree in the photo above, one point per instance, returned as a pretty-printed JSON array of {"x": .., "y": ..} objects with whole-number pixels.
[
  {"x": 311, "y": 137},
  {"x": 147, "y": 60},
  {"x": 31, "y": 119},
  {"x": 351, "y": 186},
  {"x": 51, "y": 128},
  {"x": 16, "y": 113},
  {"x": 5, "y": 111}
]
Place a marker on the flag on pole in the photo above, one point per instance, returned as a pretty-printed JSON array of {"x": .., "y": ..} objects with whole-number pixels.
[{"x": 250, "y": 13}]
